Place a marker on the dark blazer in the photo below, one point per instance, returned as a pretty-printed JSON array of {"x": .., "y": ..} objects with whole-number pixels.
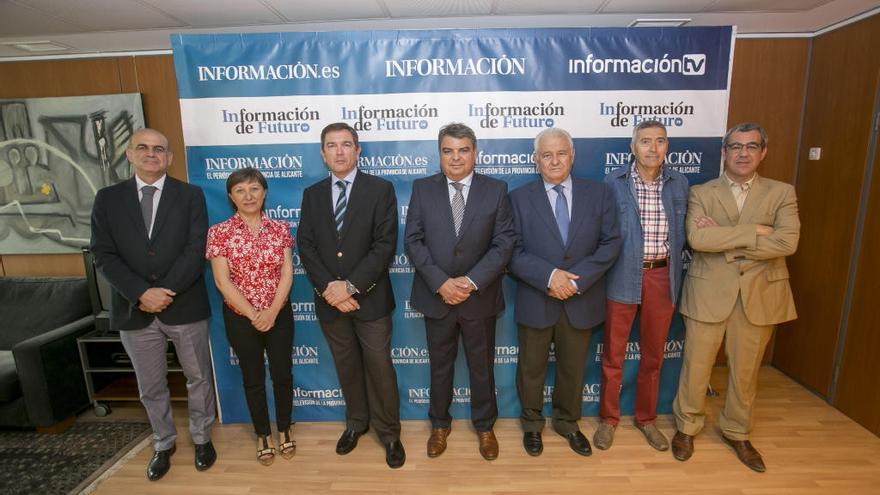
[
  {"x": 132, "y": 263},
  {"x": 363, "y": 251},
  {"x": 481, "y": 252},
  {"x": 593, "y": 244}
]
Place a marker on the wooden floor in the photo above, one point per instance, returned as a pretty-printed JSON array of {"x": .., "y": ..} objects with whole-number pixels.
[{"x": 808, "y": 446}]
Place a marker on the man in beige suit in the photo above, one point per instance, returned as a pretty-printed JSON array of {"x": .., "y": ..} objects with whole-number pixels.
[{"x": 741, "y": 226}]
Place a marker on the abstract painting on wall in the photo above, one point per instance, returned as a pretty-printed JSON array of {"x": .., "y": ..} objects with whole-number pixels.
[{"x": 55, "y": 153}]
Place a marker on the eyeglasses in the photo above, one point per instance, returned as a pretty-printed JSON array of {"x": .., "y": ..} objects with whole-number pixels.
[
  {"x": 737, "y": 147},
  {"x": 157, "y": 149}
]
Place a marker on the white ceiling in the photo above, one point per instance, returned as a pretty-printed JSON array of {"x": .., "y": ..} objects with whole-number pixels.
[{"x": 96, "y": 27}]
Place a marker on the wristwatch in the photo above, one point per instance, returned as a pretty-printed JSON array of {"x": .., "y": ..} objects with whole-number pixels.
[{"x": 350, "y": 288}]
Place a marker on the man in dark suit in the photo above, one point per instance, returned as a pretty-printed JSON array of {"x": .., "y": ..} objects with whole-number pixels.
[
  {"x": 459, "y": 237},
  {"x": 148, "y": 238},
  {"x": 567, "y": 238},
  {"x": 347, "y": 236}
]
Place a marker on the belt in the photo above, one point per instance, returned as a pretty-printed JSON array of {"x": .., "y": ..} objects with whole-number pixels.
[{"x": 650, "y": 265}]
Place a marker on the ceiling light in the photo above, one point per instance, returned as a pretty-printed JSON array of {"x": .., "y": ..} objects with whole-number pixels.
[
  {"x": 659, "y": 22},
  {"x": 37, "y": 46}
]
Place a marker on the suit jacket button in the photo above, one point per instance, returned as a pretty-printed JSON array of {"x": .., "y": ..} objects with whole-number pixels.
[
  {"x": 151, "y": 253},
  {"x": 154, "y": 277},
  {"x": 339, "y": 254}
]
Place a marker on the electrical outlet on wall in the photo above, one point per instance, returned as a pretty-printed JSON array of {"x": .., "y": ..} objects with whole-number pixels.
[{"x": 815, "y": 153}]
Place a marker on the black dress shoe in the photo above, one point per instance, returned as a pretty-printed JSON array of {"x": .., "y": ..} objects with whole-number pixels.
[
  {"x": 395, "y": 456},
  {"x": 348, "y": 441},
  {"x": 160, "y": 463},
  {"x": 578, "y": 443},
  {"x": 205, "y": 455},
  {"x": 533, "y": 443}
]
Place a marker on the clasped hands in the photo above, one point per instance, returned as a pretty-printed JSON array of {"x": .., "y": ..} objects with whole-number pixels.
[
  {"x": 264, "y": 320},
  {"x": 703, "y": 221},
  {"x": 455, "y": 290},
  {"x": 155, "y": 299},
  {"x": 337, "y": 296},
  {"x": 561, "y": 286}
]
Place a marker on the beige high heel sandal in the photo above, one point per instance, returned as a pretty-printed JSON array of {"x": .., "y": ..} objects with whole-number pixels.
[
  {"x": 286, "y": 446},
  {"x": 265, "y": 452}
]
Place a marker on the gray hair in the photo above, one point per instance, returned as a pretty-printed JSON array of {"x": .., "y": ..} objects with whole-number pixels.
[
  {"x": 553, "y": 132},
  {"x": 747, "y": 127},
  {"x": 647, "y": 124}
]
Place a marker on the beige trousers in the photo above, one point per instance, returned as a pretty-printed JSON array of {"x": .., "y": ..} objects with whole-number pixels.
[{"x": 744, "y": 347}]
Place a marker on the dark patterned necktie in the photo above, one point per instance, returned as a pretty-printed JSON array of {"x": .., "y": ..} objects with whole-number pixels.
[
  {"x": 147, "y": 205},
  {"x": 341, "y": 203},
  {"x": 457, "y": 207}
]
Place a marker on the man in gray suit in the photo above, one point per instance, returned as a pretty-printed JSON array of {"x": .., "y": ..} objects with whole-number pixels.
[
  {"x": 459, "y": 236},
  {"x": 567, "y": 238},
  {"x": 148, "y": 237}
]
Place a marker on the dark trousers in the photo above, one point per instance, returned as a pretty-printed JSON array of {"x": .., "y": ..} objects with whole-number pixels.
[
  {"x": 250, "y": 345},
  {"x": 571, "y": 347},
  {"x": 478, "y": 339},
  {"x": 656, "y": 315},
  {"x": 362, "y": 355}
]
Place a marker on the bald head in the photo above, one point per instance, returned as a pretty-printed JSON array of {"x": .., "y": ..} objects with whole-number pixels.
[{"x": 149, "y": 154}]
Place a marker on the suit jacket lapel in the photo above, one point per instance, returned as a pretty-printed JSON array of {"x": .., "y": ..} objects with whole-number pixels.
[
  {"x": 166, "y": 203},
  {"x": 132, "y": 206},
  {"x": 440, "y": 196},
  {"x": 578, "y": 208},
  {"x": 473, "y": 205},
  {"x": 322, "y": 190},
  {"x": 355, "y": 200},
  {"x": 541, "y": 204},
  {"x": 725, "y": 197},
  {"x": 756, "y": 192}
]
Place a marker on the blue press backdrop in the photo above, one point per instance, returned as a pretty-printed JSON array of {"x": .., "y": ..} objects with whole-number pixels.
[{"x": 262, "y": 99}]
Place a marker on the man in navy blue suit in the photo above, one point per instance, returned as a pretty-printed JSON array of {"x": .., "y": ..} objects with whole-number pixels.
[
  {"x": 567, "y": 238},
  {"x": 459, "y": 236}
]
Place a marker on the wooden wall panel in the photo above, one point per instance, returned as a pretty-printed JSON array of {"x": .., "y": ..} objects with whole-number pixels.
[
  {"x": 767, "y": 87},
  {"x": 838, "y": 116},
  {"x": 43, "y": 265},
  {"x": 153, "y": 77},
  {"x": 856, "y": 394},
  {"x": 59, "y": 78},
  {"x": 158, "y": 85}
]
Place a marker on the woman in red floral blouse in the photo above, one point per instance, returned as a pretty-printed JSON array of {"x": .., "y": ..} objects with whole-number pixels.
[{"x": 251, "y": 260}]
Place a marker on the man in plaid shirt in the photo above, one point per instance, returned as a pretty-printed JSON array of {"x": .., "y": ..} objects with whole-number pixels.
[{"x": 651, "y": 204}]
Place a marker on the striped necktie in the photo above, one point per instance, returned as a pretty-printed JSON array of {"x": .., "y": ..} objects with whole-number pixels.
[
  {"x": 341, "y": 203},
  {"x": 457, "y": 207}
]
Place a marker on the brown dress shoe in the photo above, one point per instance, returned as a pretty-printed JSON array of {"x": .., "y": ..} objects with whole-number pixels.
[
  {"x": 437, "y": 441},
  {"x": 682, "y": 446},
  {"x": 747, "y": 454},
  {"x": 488, "y": 445}
]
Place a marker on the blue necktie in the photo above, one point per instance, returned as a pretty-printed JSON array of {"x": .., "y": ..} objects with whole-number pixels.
[
  {"x": 562, "y": 219},
  {"x": 339, "y": 211}
]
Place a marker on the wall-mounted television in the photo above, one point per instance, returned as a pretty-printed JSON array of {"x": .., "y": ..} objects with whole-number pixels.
[{"x": 99, "y": 292}]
